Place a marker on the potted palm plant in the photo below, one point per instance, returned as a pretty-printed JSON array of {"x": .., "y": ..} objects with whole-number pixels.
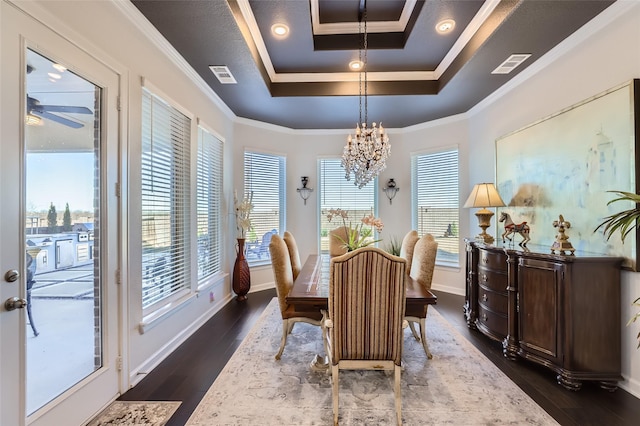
[{"x": 623, "y": 222}]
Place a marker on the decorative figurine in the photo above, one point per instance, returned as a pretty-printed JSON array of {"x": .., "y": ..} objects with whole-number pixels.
[
  {"x": 561, "y": 244},
  {"x": 510, "y": 228}
]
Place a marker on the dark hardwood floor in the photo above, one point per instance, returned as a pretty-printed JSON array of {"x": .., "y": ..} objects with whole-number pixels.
[{"x": 187, "y": 374}]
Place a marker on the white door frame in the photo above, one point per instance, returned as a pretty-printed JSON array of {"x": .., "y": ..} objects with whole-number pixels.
[{"x": 19, "y": 31}]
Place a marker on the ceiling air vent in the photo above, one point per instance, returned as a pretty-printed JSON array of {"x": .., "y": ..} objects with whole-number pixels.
[
  {"x": 510, "y": 64},
  {"x": 223, "y": 74}
]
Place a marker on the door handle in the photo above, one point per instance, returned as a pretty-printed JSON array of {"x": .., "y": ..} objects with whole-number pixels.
[{"x": 14, "y": 303}]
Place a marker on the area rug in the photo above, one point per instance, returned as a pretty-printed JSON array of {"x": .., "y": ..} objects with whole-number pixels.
[
  {"x": 143, "y": 413},
  {"x": 459, "y": 386}
]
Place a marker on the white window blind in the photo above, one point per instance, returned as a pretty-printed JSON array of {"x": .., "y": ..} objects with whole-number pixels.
[
  {"x": 165, "y": 200},
  {"x": 435, "y": 201},
  {"x": 336, "y": 192},
  {"x": 208, "y": 203},
  {"x": 264, "y": 177}
]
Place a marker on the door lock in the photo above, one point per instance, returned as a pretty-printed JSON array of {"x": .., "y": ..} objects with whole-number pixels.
[
  {"x": 11, "y": 275},
  {"x": 15, "y": 303}
]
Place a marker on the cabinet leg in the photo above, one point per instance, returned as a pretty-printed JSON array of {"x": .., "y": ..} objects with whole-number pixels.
[
  {"x": 610, "y": 386},
  {"x": 509, "y": 350},
  {"x": 569, "y": 383}
]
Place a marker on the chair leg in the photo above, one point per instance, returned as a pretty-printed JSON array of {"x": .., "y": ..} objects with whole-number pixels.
[
  {"x": 33, "y": 326},
  {"x": 283, "y": 340},
  {"x": 398, "y": 393},
  {"x": 413, "y": 330},
  {"x": 424, "y": 338},
  {"x": 334, "y": 382}
]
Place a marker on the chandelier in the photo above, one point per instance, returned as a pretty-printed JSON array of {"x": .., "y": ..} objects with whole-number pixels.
[{"x": 365, "y": 155}]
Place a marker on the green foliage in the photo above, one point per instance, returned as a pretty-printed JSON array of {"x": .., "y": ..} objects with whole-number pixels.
[
  {"x": 66, "y": 219},
  {"x": 393, "y": 247},
  {"x": 52, "y": 219},
  {"x": 623, "y": 222}
]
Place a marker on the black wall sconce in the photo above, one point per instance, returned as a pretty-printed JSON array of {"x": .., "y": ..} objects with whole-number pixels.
[
  {"x": 304, "y": 191},
  {"x": 391, "y": 189}
]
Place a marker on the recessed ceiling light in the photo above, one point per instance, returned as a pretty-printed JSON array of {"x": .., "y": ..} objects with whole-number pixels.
[
  {"x": 59, "y": 68},
  {"x": 280, "y": 30},
  {"x": 54, "y": 75},
  {"x": 445, "y": 26},
  {"x": 355, "y": 65}
]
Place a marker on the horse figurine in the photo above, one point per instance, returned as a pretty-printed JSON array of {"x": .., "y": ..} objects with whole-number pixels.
[{"x": 511, "y": 228}]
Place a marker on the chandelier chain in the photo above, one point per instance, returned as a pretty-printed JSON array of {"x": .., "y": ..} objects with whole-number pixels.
[
  {"x": 364, "y": 42},
  {"x": 365, "y": 155}
]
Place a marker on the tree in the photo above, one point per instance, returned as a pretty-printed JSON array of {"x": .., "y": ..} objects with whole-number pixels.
[
  {"x": 66, "y": 219},
  {"x": 52, "y": 219}
]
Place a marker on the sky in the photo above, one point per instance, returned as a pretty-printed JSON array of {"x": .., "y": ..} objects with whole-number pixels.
[{"x": 60, "y": 178}]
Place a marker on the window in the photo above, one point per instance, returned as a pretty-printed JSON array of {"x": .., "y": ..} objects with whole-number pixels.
[
  {"x": 165, "y": 200},
  {"x": 264, "y": 177},
  {"x": 435, "y": 204},
  {"x": 209, "y": 197},
  {"x": 336, "y": 192}
]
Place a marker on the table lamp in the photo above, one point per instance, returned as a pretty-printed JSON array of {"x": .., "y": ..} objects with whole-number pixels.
[{"x": 484, "y": 195}]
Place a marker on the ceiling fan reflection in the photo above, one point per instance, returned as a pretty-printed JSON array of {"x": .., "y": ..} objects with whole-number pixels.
[{"x": 34, "y": 107}]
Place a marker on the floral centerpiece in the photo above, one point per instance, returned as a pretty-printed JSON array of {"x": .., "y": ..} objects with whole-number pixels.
[
  {"x": 362, "y": 234},
  {"x": 243, "y": 211}
]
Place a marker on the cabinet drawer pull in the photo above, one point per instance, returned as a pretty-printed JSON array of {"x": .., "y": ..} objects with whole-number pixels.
[
  {"x": 484, "y": 297},
  {"x": 484, "y": 317},
  {"x": 484, "y": 278},
  {"x": 485, "y": 260}
]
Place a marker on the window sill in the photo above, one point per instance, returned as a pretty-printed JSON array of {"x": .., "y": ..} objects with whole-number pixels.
[
  {"x": 158, "y": 315},
  {"x": 211, "y": 281}
]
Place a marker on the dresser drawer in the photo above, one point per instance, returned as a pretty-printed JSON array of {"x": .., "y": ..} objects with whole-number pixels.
[
  {"x": 493, "y": 260},
  {"x": 492, "y": 280},
  {"x": 494, "y": 323},
  {"x": 493, "y": 301}
]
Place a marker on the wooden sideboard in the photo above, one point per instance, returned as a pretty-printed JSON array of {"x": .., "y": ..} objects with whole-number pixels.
[{"x": 561, "y": 311}]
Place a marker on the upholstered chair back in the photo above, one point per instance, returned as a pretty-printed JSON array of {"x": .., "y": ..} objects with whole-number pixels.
[
  {"x": 424, "y": 260},
  {"x": 336, "y": 240},
  {"x": 281, "y": 266},
  {"x": 294, "y": 255},
  {"x": 406, "y": 249},
  {"x": 367, "y": 305}
]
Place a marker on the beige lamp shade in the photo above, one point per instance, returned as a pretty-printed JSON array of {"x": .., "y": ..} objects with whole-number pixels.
[{"x": 484, "y": 195}]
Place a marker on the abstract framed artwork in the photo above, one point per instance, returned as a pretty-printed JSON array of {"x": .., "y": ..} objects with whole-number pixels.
[{"x": 567, "y": 164}]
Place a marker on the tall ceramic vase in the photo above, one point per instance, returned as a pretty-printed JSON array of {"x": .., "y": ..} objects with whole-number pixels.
[{"x": 241, "y": 274}]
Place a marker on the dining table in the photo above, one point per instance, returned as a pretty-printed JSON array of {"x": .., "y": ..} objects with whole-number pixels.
[{"x": 310, "y": 292}]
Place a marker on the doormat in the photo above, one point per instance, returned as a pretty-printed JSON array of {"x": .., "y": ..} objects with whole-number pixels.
[{"x": 130, "y": 413}]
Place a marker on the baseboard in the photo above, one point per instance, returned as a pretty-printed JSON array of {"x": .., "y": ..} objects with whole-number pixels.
[
  {"x": 447, "y": 289},
  {"x": 632, "y": 386},
  {"x": 152, "y": 362},
  {"x": 263, "y": 286}
]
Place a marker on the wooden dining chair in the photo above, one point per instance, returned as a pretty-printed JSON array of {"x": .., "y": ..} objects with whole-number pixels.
[
  {"x": 406, "y": 249},
  {"x": 365, "y": 320},
  {"x": 283, "y": 276},
  {"x": 337, "y": 238},
  {"x": 422, "y": 266},
  {"x": 294, "y": 254}
]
